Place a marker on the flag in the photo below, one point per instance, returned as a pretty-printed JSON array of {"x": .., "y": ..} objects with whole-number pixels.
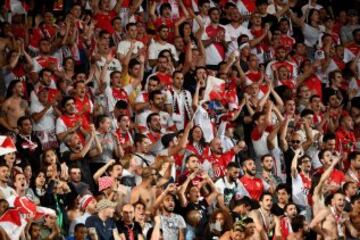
[
  {"x": 215, "y": 89},
  {"x": 16, "y": 6},
  {"x": 13, "y": 223},
  {"x": 6, "y": 145}
]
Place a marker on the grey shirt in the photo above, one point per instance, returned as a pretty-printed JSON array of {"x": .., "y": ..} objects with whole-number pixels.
[
  {"x": 108, "y": 144},
  {"x": 172, "y": 225}
]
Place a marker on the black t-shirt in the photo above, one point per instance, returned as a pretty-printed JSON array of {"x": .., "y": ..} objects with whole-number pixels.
[
  {"x": 104, "y": 230},
  {"x": 277, "y": 211},
  {"x": 134, "y": 229},
  {"x": 29, "y": 150}
]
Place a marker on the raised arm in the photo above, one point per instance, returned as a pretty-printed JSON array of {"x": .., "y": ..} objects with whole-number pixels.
[
  {"x": 169, "y": 189},
  {"x": 283, "y": 132},
  {"x": 98, "y": 148},
  {"x": 183, "y": 140},
  {"x": 101, "y": 171},
  {"x": 294, "y": 164}
]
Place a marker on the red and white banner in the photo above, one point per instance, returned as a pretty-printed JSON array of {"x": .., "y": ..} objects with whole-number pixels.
[
  {"x": 14, "y": 220},
  {"x": 215, "y": 89}
]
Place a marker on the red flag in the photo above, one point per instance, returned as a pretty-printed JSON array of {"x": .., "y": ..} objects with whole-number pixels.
[{"x": 13, "y": 223}]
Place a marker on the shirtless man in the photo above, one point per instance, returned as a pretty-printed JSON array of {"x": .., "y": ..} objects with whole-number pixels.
[
  {"x": 14, "y": 106},
  {"x": 300, "y": 228},
  {"x": 146, "y": 189},
  {"x": 6, "y": 43},
  {"x": 263, "y": 218},
  {"x": 331, "y": 221},
  {"x": 355, "y": 212}
]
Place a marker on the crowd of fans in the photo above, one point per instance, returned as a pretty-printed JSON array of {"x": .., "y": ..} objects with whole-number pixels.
[{"x": 105, "y": 104}]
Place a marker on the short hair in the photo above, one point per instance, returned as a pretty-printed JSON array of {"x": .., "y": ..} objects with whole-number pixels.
[
  {"x": 257, "y": 116},
  {"x": 164, "y": 6},
  {"x": 77, "y": 83},
  {"x": 355, "y": 31},
  {"x": 149, "y": 118},
  {"x": 329, "y": 136},
  {"x": 332, "y": 75},
  {"x": 102, "y": 33},
  {"x": 213, "y": 9},
  {"x": 152, "y": 94},
  {"x": 121, "y": 104},
  {"x": 232, "y": 165},
  {"x": 65, "y": 100},
  {"x": 352, "y": 155},
  {"x": 190, "y": 156},
  {"x": 283, "y": 186},
  {"x": 114, "y": 19},
  {"x": 100, "y": 119},
  {"x": 154, "y": 78},
  {"x": 313, "y": 97},
  {"x": 265, "y": 156},
  {"x": 129, "y": 25},
  {"x": 133, "y": 62},
  {"x": 264, "y": 194},
  {"x": 21, "y": 120},
  {"x": 245, "y": 160},
  {"x": 300, "y": 160},
  {"x": 78, "y": 226},
  {"x": 41, "y": 73},
  {"x": 119, "y": 118},
  {"x": 113, "y": 73},
  {"x": 177, "y": 72},
  {"x": 306, "y": 112},
  {"x": 297, "y": 223},
  {"x": 139, "y": 138},
  {"x": 347, "y": 185},
  {"x": 202, "y": 2}
]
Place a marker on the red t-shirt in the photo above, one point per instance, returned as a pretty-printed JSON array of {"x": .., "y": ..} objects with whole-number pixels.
[
  {"x": 254, "y": 186},
  {"x": 314, "y": 84},
  {"x": 219, "y": 162},
  {"x": 80, "y": 104},
  {"x": 103, "y": 20}
]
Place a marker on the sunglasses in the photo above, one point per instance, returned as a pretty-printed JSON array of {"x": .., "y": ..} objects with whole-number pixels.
[{"x": 296, "y": 141}]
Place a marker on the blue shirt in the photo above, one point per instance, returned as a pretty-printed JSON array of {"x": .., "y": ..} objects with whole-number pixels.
[{"x": 104, "y": 230}]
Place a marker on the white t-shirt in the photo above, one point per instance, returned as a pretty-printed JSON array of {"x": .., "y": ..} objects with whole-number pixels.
[
  {"x": 234, "y": 33},
  {"x": 47, "y": 122},
  {"x": 113, "y": 66},
  {"x": 124, "y": 46},
  {"x": 155, "y": 48},
  {"x": 299, "y": 195}
]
